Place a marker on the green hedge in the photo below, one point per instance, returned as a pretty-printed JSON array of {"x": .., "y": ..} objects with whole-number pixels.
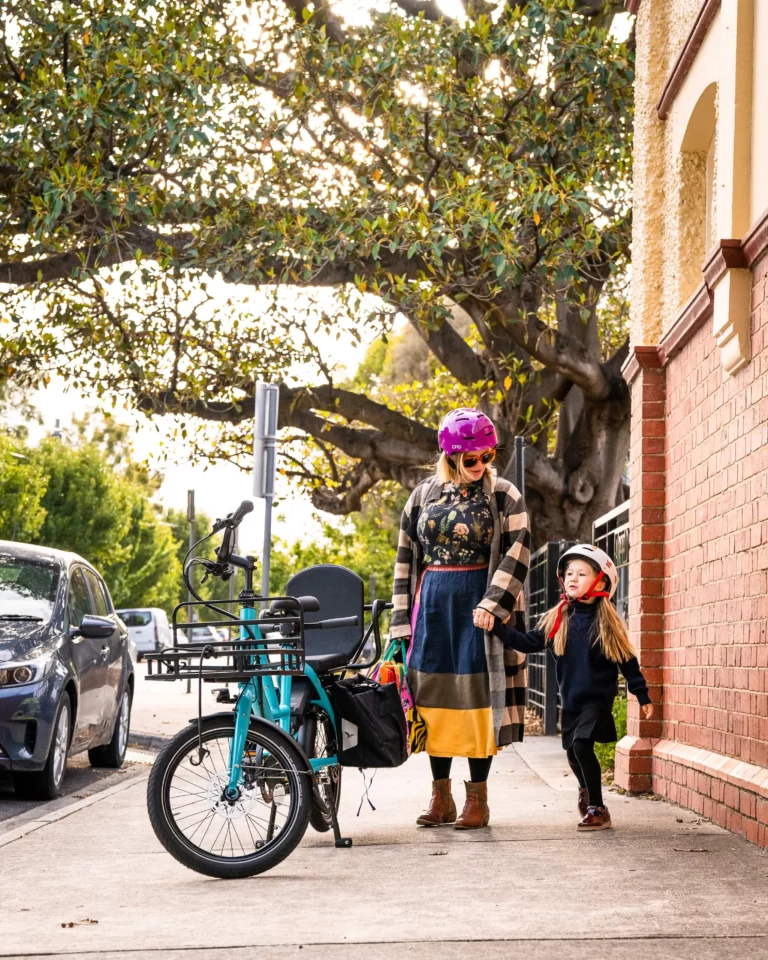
[{"x": 606, "y": 752}]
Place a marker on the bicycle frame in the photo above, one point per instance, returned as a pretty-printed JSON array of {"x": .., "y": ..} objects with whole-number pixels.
[{"x": 268, "y": 697}]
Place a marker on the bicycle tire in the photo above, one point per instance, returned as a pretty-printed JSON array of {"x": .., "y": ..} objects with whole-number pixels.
[
  {"x": 262, "y": 736},
  {"x": 320, "y": 725}
]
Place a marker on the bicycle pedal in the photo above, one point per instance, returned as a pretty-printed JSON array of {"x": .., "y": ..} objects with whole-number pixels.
[{"x": 343, "y": 842}]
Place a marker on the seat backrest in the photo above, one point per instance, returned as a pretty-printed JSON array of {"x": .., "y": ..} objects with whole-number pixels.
[{"x": 341, "y": 593}]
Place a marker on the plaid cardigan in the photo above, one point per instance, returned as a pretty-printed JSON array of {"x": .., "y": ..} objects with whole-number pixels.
[{"x": 510, "y": 554}]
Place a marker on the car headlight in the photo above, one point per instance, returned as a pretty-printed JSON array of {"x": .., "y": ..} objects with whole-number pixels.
[{"x": 29, "y": 671}]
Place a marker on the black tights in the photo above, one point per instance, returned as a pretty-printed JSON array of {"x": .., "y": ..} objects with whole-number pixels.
[
  {"x": 586, "y": 766},
  {"x": 479, "y": 768}
]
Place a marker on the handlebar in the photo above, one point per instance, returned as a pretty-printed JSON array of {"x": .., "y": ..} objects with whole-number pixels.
[
  {"x": 235, "y": 518},
  {"x": 331, "y": 624},
  {"x": 229, "y": 524}
]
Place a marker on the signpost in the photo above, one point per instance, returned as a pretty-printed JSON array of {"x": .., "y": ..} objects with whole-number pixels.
[{"x": 264, "y": 459}]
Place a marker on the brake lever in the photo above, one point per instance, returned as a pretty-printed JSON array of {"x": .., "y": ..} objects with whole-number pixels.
[{"x": 214, "y": 569}]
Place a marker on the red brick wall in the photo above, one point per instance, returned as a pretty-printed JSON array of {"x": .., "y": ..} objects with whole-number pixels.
[{"x": 716, "y": 546}]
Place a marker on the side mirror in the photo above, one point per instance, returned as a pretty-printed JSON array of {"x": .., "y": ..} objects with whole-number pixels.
[{"x": 96, "y": 628}]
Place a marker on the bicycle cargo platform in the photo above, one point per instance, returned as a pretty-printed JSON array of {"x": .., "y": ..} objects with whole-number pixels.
[{"x": 272, "y": 645}]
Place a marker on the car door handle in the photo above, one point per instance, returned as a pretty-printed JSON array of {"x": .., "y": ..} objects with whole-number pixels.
[{"x": 104, "y": 653}]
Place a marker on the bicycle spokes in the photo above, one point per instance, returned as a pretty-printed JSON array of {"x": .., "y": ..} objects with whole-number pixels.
[{"x": 221, "y": 821}]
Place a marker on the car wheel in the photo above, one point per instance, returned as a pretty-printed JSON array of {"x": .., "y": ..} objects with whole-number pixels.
[
  {"x": 44, "y": 784},
  {"x": 112, "y": 754}
]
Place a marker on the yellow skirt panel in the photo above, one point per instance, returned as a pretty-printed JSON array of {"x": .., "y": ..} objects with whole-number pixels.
[{"x": 459, "y": 733}]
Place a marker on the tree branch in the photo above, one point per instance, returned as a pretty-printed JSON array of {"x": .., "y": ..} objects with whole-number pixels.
[
  {"x": 451, "y": 350},
  {"x": 101, "y": 253}
]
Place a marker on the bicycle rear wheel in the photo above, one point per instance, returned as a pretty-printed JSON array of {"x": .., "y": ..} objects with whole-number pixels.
[
  {"x": 317, "y": 738},
  {"x": 229, "y": 838}
]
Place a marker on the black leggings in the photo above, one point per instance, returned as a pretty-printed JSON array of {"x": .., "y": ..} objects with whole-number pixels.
[
  {"x": 479, "y": 768},
  {"x": 586, "y": 766}
]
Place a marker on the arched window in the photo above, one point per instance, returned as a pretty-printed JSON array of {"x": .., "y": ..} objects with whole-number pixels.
[{"x": 696, "y": 197}]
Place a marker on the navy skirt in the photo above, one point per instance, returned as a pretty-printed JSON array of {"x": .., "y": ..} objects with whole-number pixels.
[{"x": 448, "y": 665}]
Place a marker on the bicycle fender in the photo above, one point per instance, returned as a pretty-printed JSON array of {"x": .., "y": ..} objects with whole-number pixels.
[{"x": 273, "y": 729}]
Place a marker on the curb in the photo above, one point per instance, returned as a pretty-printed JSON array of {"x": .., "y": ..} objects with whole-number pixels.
[{"x": 147, "y": 741}]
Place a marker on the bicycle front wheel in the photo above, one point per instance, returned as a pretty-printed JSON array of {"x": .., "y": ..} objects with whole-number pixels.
[{"x": 229, "y": 837}]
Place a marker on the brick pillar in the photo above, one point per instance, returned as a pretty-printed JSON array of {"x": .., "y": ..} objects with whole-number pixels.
[{"x": 645, "y": 375}]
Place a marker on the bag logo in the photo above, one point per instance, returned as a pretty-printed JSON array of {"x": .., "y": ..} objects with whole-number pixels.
[{"x": 349, "y": 734}]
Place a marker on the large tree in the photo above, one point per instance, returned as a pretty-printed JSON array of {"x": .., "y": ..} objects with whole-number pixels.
[{"x": 158, "y": 158}]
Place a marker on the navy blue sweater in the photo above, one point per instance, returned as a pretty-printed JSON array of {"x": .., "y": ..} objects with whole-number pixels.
[{"x": 584, "y": 674}]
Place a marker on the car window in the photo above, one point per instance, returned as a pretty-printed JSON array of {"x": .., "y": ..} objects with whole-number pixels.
[
  {"x": 27, "y": 587},
  {"x": 79, "y": 601},
  {"x": 135, "y": 618},
  {"x": 97, "y": 593}
]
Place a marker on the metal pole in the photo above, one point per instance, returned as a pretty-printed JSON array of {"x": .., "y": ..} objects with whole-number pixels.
[
  {"x": 190, "y": 598},
  {"x": 520, "y": 484}
]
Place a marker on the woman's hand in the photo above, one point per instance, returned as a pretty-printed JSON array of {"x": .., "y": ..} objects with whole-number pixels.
[
  {"x": 483, "y": 619},
  {"x": 648, "y": 710}
]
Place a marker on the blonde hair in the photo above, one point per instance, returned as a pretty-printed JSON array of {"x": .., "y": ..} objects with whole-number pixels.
[
  {"x": 611, "y": 634},
  {"x": 447, "y": 474}
]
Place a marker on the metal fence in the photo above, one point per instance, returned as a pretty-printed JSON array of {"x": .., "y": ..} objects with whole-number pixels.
[
  {"x": 543, "y": 593},
  {"x": 611, "y": 533}
]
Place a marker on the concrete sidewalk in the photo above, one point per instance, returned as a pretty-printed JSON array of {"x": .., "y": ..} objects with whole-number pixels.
[{"x": 661, "y": 885}]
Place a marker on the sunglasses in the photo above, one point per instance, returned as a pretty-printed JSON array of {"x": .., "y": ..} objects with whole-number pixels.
[{"x": 485, "y": 459}]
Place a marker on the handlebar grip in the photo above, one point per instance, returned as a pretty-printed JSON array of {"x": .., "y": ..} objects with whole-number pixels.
[
  {"x": 237, "y": 517},
  {"x": 332, "y": 624}
]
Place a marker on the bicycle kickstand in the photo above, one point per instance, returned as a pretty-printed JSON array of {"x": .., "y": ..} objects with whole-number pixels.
[{"x": 338, "y": 840}]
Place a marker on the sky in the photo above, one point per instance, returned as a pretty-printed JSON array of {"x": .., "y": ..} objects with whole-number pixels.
[{"x": 218, "y": 489}]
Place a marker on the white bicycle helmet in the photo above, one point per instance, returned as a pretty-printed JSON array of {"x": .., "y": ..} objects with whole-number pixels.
[{"x": 597, "y": 558}]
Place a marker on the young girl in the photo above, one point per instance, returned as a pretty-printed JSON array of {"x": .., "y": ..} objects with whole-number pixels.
[{"x": 590, "y": 645}]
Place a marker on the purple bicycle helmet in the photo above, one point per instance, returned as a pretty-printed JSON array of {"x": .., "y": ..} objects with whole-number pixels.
[{"x": 465, "y": 429}]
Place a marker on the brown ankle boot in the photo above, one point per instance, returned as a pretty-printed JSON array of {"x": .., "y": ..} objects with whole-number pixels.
[
  {"x": 442, "y": 808},
  {"x": 583, "y": 801},
  {"x": 475, "y": 813},
  {"x": 597, "y": 818}
]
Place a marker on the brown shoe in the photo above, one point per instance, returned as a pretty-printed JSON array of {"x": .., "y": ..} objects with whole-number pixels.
[
  {"x": 597, "y": 818},
  {"x": 583, "y": 801},
  {"x": 442, "y": 808},
  {"x": 475, "y": 813}
]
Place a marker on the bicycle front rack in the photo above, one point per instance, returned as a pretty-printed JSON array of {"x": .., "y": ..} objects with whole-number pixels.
[{"x": 255, "y": 652}]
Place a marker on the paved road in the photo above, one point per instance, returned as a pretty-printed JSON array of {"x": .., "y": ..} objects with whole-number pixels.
[{"x": 81, "y": 780}]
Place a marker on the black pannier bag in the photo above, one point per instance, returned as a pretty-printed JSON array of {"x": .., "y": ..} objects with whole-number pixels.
[{"x": 370, "y": 724}]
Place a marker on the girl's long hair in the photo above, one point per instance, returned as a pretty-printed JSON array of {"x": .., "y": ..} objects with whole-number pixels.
[
  {"x": 610, "y": 631},
  {"x": 447, "y": 474}
]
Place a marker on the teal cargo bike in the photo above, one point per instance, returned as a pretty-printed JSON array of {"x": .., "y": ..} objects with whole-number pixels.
[{"x": 232, "y": 794}]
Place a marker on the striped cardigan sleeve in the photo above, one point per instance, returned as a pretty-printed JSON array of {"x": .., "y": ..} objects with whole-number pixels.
[
  {"x": 508, "y": 580},
  {"x": 400, "y": 624}
]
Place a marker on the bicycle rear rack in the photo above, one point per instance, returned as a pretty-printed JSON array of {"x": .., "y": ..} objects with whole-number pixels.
[{"x": 249, "y": 655}]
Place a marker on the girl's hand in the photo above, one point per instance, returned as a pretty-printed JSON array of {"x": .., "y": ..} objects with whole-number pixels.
[
  {"x": 648, "y": 710},
  {"x": 483, "y": 619}
]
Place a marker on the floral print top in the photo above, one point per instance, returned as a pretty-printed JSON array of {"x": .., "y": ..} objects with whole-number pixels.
[{"x": 457, "y": 528}]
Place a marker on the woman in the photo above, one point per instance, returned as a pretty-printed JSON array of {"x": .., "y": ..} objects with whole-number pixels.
[{"x": 462, "y": 560}]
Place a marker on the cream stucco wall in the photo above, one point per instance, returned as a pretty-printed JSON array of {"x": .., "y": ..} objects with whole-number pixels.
[
  {"x": 760, "y": 112},
  {"x": 694, "y": 185},
  {"x": 661, "y": 30}
]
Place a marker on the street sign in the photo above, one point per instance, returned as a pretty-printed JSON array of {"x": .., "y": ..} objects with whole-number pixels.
[{"x": 264, "y": 461}]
